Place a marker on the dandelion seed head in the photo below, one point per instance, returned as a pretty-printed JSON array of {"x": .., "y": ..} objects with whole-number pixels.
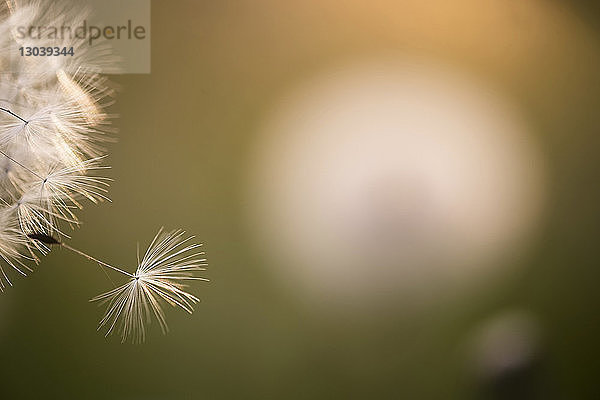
[{"x": 52, "y": 130}]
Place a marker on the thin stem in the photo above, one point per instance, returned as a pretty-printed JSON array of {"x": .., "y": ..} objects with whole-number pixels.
[
  {"x": 81, "y": 253},
  {"x": 21, "y": 165},
  {"x": 13, "y": 114},
  {"x": 9, "y": 157}
]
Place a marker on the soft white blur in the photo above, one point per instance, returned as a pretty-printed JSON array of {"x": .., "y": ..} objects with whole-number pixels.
[{"x": 388, "y": 177}]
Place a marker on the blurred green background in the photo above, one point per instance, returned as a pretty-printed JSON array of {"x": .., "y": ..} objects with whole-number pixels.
[{"x": 186, "y": 131}]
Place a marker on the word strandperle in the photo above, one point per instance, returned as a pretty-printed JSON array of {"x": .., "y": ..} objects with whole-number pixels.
[{"x": 84, "y": 31}]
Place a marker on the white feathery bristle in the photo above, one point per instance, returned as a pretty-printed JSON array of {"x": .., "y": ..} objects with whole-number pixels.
[{"x": 170, "y": 261}]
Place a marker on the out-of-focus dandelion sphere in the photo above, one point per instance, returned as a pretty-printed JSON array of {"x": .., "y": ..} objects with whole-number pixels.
[{"x": 392, "y": 177}]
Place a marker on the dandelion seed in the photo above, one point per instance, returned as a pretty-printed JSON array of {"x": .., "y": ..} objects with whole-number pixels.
[{"x": 170, "y": 261}]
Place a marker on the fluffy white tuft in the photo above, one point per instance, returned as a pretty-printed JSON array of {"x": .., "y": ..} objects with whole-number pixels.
[{"x": 170, "y": 261}]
